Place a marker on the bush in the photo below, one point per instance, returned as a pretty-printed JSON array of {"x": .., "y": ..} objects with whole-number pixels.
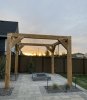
[{"x": 55, "y": 86}]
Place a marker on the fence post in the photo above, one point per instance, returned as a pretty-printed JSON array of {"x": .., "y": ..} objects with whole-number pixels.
[
  {"x": 42, "y": 64},
  {"x": 64, "y": 65},
  {"x": 83, "y": 65}
]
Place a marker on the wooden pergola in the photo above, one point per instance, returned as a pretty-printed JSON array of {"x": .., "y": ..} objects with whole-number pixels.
[{"x": 14, "y": 39}]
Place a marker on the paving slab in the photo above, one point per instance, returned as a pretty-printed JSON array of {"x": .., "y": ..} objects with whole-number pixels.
[{"x": 27, "y": 89}]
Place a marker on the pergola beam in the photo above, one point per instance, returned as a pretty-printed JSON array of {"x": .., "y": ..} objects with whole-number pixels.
[
  {"x": 38, "y": 36},
  {"x": 34, "y": 44}
]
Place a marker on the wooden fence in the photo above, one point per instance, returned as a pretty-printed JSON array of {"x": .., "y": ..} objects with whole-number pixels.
[{"x": 43, "y": 64}]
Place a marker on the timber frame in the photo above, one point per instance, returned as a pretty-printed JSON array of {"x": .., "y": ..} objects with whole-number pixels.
[{"x": 14, "y": 39}]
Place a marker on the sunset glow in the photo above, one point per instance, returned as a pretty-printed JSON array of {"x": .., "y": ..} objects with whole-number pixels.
[{"x": 34, "y": 54}]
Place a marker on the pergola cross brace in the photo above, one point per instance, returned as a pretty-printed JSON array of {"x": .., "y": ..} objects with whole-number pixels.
[
  {"x": 64, "y": 42},
  {"x": 16, "y": 40}
]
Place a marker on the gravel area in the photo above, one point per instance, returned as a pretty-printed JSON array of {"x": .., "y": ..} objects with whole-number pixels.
[
  {"x": 27, "y": 89},
  {"x": 6, "y": 92}
]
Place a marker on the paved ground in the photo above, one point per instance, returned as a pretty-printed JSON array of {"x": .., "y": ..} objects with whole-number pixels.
[{"x": 26, "y": 89}]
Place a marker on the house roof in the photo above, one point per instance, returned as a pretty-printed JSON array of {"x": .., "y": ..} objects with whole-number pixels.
[
  {"x": 78, "y": 54},
  {"x": 8, "y": 27}
]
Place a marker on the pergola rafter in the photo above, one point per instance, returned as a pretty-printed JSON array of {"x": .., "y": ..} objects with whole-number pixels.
[{"x": 14, "y": 39}]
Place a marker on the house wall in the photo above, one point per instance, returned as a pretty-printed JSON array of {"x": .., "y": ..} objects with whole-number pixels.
[
  {"x": 2, "y": 44},
  {"x": 5, "y": 28},
  {"x": 5, "y": 45},
  {"x": 13, "y": 49}
]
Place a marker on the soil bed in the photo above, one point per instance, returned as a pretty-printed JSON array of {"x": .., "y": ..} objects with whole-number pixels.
[{"x": 50, "y": 89}]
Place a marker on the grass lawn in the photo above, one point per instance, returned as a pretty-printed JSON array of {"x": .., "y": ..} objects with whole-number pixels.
[{"x": 81, "y": 80}]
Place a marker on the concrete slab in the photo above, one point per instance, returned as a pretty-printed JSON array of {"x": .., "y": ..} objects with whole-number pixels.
[{"x": 26, "y": 89}]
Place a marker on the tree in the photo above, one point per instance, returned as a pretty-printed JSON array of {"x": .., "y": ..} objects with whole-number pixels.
[
  {"x": 47, "y": 53},
  {"x": 64, "y": 54}
]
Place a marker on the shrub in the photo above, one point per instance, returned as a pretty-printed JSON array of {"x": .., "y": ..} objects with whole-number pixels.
[
  {"x": 30, "y": 68},
  {"x": 55, "y": 86}
]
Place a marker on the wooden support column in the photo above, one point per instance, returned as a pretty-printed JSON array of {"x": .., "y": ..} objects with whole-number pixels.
[
  {"x": 17, "y": 49},
  {"x": 8, "y": 62},
  {"x": 16, "y": 59},
  {"x": 52, "y": 49},
  {"x": 69, "y": 62},
  {"x": 58, "y": 50}
]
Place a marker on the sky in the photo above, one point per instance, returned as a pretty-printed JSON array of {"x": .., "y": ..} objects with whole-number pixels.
[{"x": 53, "y": 17}]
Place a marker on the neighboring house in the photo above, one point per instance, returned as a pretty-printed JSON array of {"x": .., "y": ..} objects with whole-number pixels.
[
  {"x": 78, "y": 55},
  {"x": 85, "y": 55},
  {"x": 5, "y": 28}
]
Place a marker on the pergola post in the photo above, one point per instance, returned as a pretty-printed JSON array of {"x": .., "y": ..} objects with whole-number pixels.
[
  {"x": 52, "y": 49},
  {"x": 8, "y": 62},
  {"x": 69, "y": 62},
  {"x": 16, "y": 59}
]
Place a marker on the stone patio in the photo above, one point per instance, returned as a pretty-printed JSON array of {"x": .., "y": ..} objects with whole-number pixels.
[{"x": 26, "y": 89}]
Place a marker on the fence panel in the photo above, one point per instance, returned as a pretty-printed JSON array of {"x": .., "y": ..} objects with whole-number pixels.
[{"x": 43, "y": 64}]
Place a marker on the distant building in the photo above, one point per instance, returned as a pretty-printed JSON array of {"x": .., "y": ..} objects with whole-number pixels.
[
  {"x": 5, "y": 28},
  {"x": 85, "y": 55},
  {"x": 78, "y": 55}
]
